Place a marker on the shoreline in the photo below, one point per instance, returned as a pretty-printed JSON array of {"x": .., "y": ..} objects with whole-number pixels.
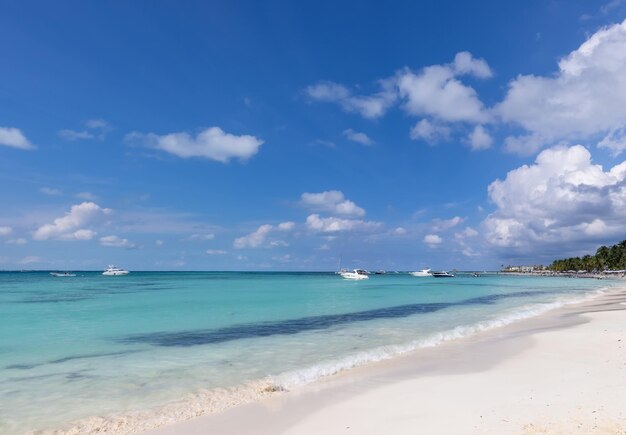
[
  {"x": 416, "y": 391},
  {"x": 277, "y": 391}
]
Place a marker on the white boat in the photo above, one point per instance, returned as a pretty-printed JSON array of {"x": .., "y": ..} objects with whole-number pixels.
[
  {"x": 60, "y": 274},
  {"x": 115, "y": 271},
  {"x": 355, "y": 274},
  {"x": 443, "y": 274},
  {"x": 422, "y": 273}
]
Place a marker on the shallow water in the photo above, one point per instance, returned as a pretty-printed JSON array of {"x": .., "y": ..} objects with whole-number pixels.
[{"x": 89, "y": 345}]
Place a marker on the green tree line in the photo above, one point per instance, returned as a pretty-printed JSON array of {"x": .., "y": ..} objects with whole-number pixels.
[{"x": 611, "y": 258}]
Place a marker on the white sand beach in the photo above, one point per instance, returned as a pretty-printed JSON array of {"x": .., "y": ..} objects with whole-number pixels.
[{"x": 560, "y": 373}]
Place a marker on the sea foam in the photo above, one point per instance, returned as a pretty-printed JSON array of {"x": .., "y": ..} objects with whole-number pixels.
[{"x": 220, "y": 399}]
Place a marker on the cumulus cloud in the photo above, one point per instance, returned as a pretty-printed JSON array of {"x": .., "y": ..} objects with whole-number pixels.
[
  {"x": 333, "y": 224},
  {"x": 359, "y": 137},
  {"x": 14, "y": 138},
  {"x": 563, "y": 197},
  {"x": 432, "y": 240},
  {"x": 445, "y": 224},
  {"x": 331, "y": 201},
  {"x": 286, "y": 226},
  {"x": 68, "y": 227},
  {"x": 583, "y": 99},
  {"x": 435, "y": 91},
  {"x": 430, "y": 131},
  {"x": 372, "y": 106},
  {"x": 216, "y": 252},
  {"x": 117, "y": 242},
  {"x": 5, "y": 231},
  {"x": 480, "y": 139},
  {"x": 212, "y": 143},
  {"x": 260, "y": 237},
  {"x": 465, "y": 63}
]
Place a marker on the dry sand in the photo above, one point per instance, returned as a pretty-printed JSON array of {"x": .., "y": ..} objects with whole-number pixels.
[{"x": 561, "y": 373}]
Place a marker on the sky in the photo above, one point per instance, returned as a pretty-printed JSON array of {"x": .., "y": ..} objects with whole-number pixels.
[{"x": 275, "y": 135}]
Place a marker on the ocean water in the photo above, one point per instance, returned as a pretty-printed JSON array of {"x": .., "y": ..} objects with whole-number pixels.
[{"x": 175, "y": 342}]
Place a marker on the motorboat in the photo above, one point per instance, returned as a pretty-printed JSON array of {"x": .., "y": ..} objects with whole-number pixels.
[
  {"x": 356, "y": 274},
  {"x": 422, "y": 273},
  {"x": 443, "y": 274},
  {"x": 62, "y": 274},
  {"x": 115, "y": 271}
]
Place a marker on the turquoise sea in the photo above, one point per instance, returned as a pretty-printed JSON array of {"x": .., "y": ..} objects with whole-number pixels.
[{"x": 77, "y": 347}]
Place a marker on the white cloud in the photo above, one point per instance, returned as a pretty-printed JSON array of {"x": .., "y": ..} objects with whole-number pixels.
[
  {"x": 212, "y": 143},
  {"x": 373, "y": 106},
  {"x": 333, "y": 224},
  {"x": 116, "y": 242},
  {"x": 259, "y": 237},
  {"x": 216, "y": 252},
  {"x": 69, "y": 226},
  {"x": 5, "y": 231},
  {"x": 359, "y": 137},
  {"x": 50, "y": 191},
  {"x": 286, "y": 226},
  {"x": 430, "y": 131},
  {"x": 615, "y": 141},
  {"x": 446, "y": 224},
  {"x": 13, "y": 137},
  {"x": 18, "y": 241},
  {"x": 277, "y": 244},
  {"x": 435, "y": 91},
  {"x": 466, "y": 233},
  {"x": 480, "y": 139},
  {"x": 81, "y": 235},
  {"x": 96, "y": 129},
  {"x": 461, "y": 238},
  {"x": 72, "y": 135},
  {"x": 432, "y": 240},
  {"x": 158, "y": 242},
  {"x": 399, "y": 231},
  {"x": 583, "y": 99},
  {"x": 524, "y": 145},
  {"x": 332, "y": 201},
  {"x": 465, "y": 63},
  {"x": 563, "y": 197}
]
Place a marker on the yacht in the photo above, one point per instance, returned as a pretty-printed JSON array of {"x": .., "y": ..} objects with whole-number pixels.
[
  {"x": 62, "y": 274},
  {"x": 422, "y": 273},
  {"x": 355, "y": 274},
  {"x": 114, "y": 271},
  {"x": 443, "y": 274}
]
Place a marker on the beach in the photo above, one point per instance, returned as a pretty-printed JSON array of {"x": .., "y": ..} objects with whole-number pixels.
[
  {"x": 288, "y": 352},
  {"x": 558, "y": 373}
]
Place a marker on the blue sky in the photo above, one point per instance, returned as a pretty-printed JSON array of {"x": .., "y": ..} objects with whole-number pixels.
[{"x": 283, "y": 136}]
